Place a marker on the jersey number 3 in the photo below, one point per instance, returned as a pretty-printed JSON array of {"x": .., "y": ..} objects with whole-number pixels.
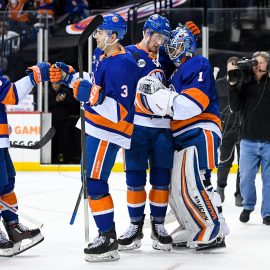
[{"x": 124, "y": 92}]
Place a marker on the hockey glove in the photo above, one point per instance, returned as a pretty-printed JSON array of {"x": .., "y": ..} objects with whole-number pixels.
[
  {"x": 85, "y": 91},
  {"x": 61, "y": 73},
  {"x": 194, "y": 29},
  {"x": 39, "y": 73}
]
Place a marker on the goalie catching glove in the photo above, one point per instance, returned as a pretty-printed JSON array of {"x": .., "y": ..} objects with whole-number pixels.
[
  {"x": 61, "y": 73},
  {"x": 39, "y": 73},
  {"x": 153, "y": 97},
  {"x": 85, "y": 91}
]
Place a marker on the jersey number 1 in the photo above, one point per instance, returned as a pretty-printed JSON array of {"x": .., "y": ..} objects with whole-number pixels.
[{"x": 200, "y": 77}]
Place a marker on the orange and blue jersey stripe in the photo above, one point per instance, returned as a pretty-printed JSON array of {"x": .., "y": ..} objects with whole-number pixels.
[
  {"x": 201, "y": 120},
  {"x": 197, "y": 96}
]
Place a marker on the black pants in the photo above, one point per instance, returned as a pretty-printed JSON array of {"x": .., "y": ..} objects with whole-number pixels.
[{"x": 227, "y": 151}]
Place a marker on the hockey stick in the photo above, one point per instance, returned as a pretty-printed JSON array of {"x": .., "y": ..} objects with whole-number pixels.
[
  {"x": 44, "y": 140},
  {"x": 89, "y": 30},
  {"x": 20, "y": 213},
  {"x": 76, "y": 207}
]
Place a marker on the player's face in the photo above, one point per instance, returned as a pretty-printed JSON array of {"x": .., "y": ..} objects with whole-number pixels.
[
  {"x": 100, "y": 37},
  {"x": 155, "y": 40}
]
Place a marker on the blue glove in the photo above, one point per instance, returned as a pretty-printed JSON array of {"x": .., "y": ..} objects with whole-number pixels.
[
  {"x": 39, "y": 73},
  {"x": 85, "y": 91},
  {"x": 61, "y": 73}
]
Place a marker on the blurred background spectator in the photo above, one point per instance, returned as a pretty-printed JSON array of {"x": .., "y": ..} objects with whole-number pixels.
[
  {"x": 77, "y": 10},
  {"x": 65, "y": 113},
  {"x": 230, "y": 137},
  {"x": 45, "y": 7}
]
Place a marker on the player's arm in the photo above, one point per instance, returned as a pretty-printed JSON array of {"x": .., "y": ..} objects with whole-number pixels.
[
  {"x": 194, "y": 99},
  {"x": 95, "y": 95},
  {"x": 12, "y": 93},
  {"x": 65, "y": 74},
  {"x": 163, "y": 101}
]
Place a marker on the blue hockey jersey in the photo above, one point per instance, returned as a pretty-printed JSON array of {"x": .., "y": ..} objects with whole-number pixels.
[
  {"x": 161, "y": 68},
  {"x": 10, "y": 94},
  {"x": 117, "y": 75},
  {"x": 197, "y": 105}
]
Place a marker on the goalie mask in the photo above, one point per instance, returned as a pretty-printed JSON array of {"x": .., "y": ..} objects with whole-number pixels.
[{"x": 182, "y": 43}]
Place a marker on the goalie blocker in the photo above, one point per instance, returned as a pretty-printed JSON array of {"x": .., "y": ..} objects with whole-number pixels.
[{"x": 197, "y": 210}]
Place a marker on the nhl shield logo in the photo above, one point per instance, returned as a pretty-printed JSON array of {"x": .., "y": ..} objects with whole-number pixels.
[
  {"x": 115, "y": 19},
  {"x": 141, "y": 63}
]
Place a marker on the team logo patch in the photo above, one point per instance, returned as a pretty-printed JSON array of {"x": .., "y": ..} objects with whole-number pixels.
[
  {"x": 141, "y": 63},
  {"x": 154, "y": 17},
  {"x": 115, "y": 19}
]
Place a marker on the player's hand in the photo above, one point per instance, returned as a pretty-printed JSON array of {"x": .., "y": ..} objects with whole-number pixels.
[
  {"x": 85, "y": 91},
  {"x": 61, "y": 73},
  {"x": 39, "y": 73},
  {"x": 194, "y": 29}
]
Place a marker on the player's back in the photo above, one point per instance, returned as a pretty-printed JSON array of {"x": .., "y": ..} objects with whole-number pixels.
[{"x": 194, "y": 79}]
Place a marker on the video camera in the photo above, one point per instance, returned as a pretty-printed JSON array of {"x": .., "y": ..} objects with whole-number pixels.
[
  {"x": 244, "y": 72},
  {"x": 246, "y": 63}
]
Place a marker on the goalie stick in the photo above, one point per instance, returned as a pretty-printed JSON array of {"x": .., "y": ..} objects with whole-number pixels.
[
  {"x": 44, "y": 140},
  {"x": 20, "y": 213},
  {"x": 92, "y": 26}
]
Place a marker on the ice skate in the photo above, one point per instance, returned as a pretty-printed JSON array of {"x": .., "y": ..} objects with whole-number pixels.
[
  {"x": 103, "y": 248},
  {"x": 23, "y": 237},
  {"x": 131, "y": 239},
  {"x": 6, "y": 246},
  {"x": 161, "y": 239}
]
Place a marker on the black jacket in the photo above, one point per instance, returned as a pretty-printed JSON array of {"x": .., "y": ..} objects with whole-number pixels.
[
  {"x": 229, "y": 119},
  {"x": 252, "y": 100}
]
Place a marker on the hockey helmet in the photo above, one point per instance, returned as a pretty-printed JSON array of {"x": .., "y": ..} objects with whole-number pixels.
[
  {"x": 159, "y": 24},
  {"x": 114, "y": 23}
]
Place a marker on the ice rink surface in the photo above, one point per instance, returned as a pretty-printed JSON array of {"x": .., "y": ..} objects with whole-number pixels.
[{"x": 50, "y": 198}]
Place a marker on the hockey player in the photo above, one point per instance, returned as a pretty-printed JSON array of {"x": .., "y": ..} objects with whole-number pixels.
[
  {"x": 151, "y": 144},
  {"x": 20, "y": 238},
  {"x": 109, "y": 114},
  {"x": 193, "y": 104}
]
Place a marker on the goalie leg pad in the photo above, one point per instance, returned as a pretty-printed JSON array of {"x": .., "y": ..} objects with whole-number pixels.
[{"x": 190, "y": 201}]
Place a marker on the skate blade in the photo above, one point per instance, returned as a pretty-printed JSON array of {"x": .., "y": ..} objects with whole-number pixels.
[
  {"x": 164, "y": 247},
  {"x": 133, "y": 245},
  {"x": 179, "y": 245},
  {"x": 218, "y": 243},
  {"x": 105, "y": 257},
  {"x": 26, "y": 244},
  {"x": 6, "y": 252}
]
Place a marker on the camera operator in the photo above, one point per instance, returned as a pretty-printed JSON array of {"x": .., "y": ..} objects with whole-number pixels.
[
  {"x": 250, "y": 95},
  {"x": 230, "y": 143}
]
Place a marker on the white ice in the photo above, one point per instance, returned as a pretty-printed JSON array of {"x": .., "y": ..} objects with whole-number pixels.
[{"x": 50, "y": 198}]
